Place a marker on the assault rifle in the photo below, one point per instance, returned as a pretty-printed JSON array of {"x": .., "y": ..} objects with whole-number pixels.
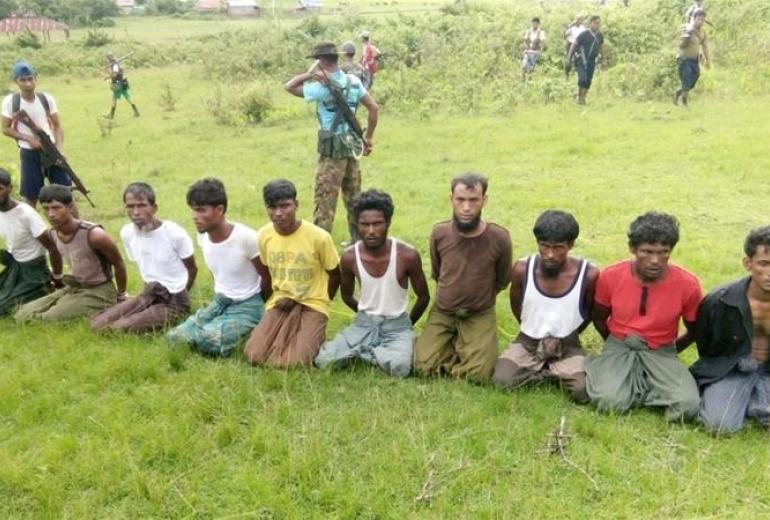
[
  {"x": 51, "y": 155},
  {"x": 341, "y": 103}
]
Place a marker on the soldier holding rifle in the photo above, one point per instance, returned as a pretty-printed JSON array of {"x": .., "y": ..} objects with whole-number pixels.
[
  {"x": 42, "y": 110},
  {"x": 341, "y": 140}
]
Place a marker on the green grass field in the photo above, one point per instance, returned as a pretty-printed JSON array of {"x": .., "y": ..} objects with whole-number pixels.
[{"x": 120, "y": 427}]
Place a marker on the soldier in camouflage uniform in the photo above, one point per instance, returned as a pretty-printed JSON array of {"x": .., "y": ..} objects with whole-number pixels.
[{"x": 338, "y": 166}]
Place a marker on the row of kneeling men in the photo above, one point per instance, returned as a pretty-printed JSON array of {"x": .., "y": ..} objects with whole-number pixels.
[{"x": 273, "y": 287}]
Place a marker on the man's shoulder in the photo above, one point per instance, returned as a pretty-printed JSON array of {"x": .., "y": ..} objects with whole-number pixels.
[
  {"x": 127, "y": 231},
  {"x": 316, "y": 232},
  {"x": 441, "y": 229},
  {"x": 615, "y": 268},
  {"x": 683, "y": 275},
  {"x": 498, "y": 229}
]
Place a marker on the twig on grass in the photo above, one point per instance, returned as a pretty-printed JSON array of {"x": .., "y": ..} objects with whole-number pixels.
[{"x": 558, "y": 440}]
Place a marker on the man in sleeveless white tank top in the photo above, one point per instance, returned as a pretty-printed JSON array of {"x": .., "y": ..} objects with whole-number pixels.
[
  {"x": 551, "y": 297},
  {"x": 381, "y": 333},
  {"x": 92, "y": 256}
]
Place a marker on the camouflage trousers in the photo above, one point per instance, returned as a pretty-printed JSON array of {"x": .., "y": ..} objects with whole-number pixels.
[{"x": 333, "y": 175}]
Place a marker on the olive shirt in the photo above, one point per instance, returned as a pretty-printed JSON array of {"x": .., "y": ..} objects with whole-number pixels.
[{"x": 470, "y": 271}]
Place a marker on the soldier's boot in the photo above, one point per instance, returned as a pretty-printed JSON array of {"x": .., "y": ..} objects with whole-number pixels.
[
  {"x": 677, "y": 96},
  {"x": 112, "y": 113},
  {"x": 136, "y": 110}
]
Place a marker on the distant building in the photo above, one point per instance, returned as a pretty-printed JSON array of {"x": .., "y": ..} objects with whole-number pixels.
[
  {"x": 125, "y": 6},
  {"x": 243, "y": 8},
  {"x": 208, "y": 6}
]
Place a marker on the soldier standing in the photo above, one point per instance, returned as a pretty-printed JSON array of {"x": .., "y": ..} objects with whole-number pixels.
[
  {"x": 119, "y": 85},
  {"x": 338, "y": 146}
]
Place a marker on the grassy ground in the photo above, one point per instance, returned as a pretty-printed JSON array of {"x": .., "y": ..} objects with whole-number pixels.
[{"x": 126, "y": 427}]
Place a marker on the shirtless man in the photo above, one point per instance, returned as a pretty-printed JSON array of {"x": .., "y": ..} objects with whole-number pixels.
[
  {"x": 733, "y": 338},
  {"x": 381, "y": 333},
  {"x": 551, "y": 296}
]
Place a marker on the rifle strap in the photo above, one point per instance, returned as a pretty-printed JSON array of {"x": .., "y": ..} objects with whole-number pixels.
[
  {"x": 16, "y": 103},
  {"x": 16, "y": 106}
]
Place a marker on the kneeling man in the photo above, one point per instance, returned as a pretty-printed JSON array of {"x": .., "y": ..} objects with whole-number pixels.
[
  {"x": 637, "y": 308},
  {"x": 471, "y": 261},
  {"x": 230, "y": 250},
  {"x": 381, "y": 333},
  {"x": 552, "y": 297},
  {"x": 300, "y": 272},
  {"x": 164, "y": 253},
  {"x": 91, "y": 255},
  {"x": 26, "y": 276},
  {"x": 733, "y": 335}
]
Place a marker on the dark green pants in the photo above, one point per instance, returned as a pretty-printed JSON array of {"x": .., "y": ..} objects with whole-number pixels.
[
  {"x": 21, "y": 282},
  {"x": 627, "y": 373}
]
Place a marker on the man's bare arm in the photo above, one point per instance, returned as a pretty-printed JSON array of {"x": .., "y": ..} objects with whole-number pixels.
[
  {"x": 334, "y": 281},
  {"x": 58, "y": 133},
  {"x": 371, "y": 122},
  {"x": 10, "y": 131},
  {"x": 600, "y": 315},
  {"x": 686, "y": 339},
  {"x": 100, "y": 241},
  {"x": 265, "y": 283},
  {"x": 348, "y": 279},
  {"x": 592, "y": 275},
  {"x": 54, "y": 257},
  {"x": 419, "y": 285},
  {"x": 518, "y": 272},
  {"x": 192, "y": 271}
]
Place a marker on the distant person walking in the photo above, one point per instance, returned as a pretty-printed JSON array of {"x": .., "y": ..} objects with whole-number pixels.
[
  {"x": 349, "y": 64},
  {"x": 534, "y": 45},
  {"x": 370, "y": 56},
  {"x": 119, "y": 84},
  {"x": 587, "y": 47},
  {"x": 571, "y": 32},
  {"x": 42, "y": 109},
  {"x": 691, "y": 45}
]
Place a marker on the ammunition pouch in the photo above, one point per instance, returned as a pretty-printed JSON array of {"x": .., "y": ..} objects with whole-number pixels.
[{"x": 333, "y": 145}]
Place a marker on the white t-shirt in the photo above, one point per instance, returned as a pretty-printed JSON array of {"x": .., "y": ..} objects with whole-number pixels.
[
  {"x": 159, "y": 253},
  {"x": 230, "y": 262},
  {"x": 19, "y": 227},
  {"x": 573, "y": 32},
  {"x": 36, "y": 111}
]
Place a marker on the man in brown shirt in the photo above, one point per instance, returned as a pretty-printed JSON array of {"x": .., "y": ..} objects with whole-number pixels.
[{"x": 471, "y": 262}]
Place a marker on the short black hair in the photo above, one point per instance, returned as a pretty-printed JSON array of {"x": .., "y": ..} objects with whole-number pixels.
[
  {"x": 757, "y": 237},
  {"x": 374, "y": 200},
  {"x": 654, "y": 228},
  {"x": 207, "y": 192},
  {"x": 536, "y": 19},
  {"x": 469, "y": 180},
  {"x": 140, "y": 189},
  {"x": 556, "y": 226},
  {"x": 277, "y": 190},
  {"x": 594, "y": 18},
  {"x": 57, "y": 193},
  {"x": 5, "y": 177}
]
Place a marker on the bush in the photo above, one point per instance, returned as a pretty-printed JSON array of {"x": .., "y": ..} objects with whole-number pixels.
[
  {"x": 28, "y": 40},
  {"x": 240, "y": 106},
  {"x": 97, "y": 38}
]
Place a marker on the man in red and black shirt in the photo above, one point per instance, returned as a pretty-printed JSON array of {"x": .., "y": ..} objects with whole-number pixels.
[{"x": 638, "y": 305}]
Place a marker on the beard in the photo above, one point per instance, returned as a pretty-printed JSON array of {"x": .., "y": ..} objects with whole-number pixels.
[
  {"x": 466, "y": 227},
  {"x": 550, "y": 271}
]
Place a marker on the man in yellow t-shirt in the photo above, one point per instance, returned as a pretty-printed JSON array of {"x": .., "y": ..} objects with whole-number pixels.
[
  {"x": 300, "y": 274},
  {"x": 693, "y": 42}
]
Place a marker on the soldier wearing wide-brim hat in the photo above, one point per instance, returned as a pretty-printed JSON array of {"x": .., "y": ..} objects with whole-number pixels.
[{"x": 338, "y": 167}]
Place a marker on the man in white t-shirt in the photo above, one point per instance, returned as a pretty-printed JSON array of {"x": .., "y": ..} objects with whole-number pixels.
[
  {"x": 42, "y": 109},
  {"x": 571, "y": 32},
  {"x": 163, "y": 251},
  {"x": 26, "y": 276},
  {"x": 231, "y": 253}
]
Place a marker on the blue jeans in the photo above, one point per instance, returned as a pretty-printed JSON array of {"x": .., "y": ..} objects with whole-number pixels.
[{"x": 689, "y": 72}]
